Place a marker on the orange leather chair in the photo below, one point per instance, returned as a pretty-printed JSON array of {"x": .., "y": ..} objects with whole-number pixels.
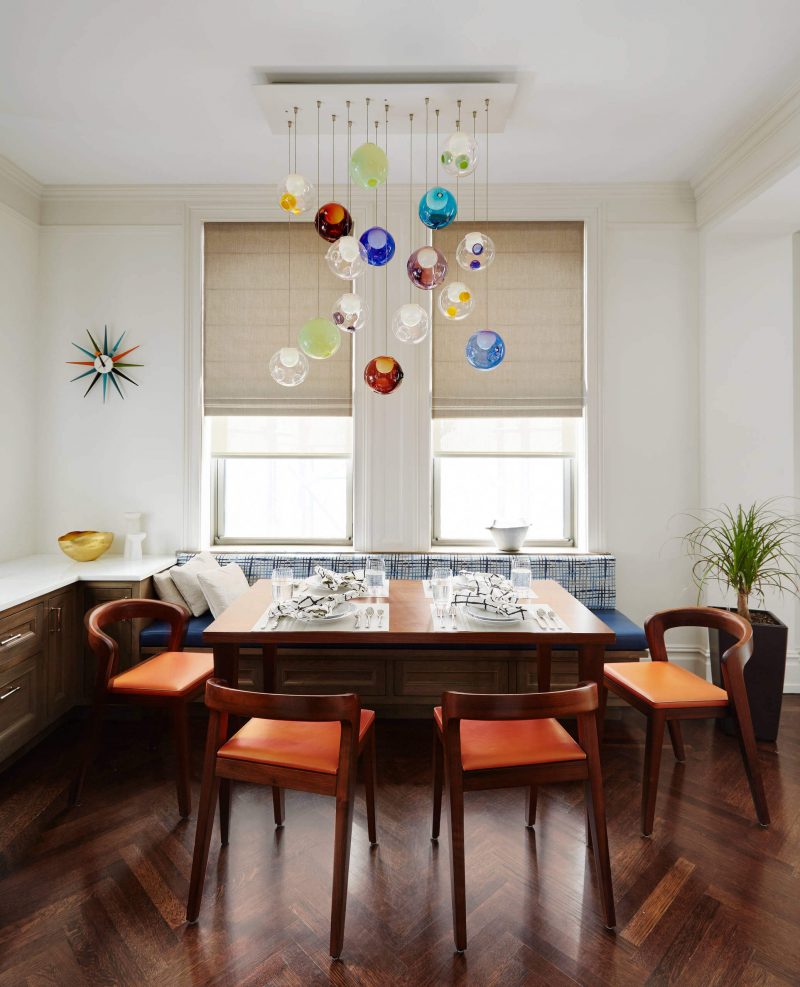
[
  {"x": 171, "y": 679},
  {"x": 666, "y": 694},
  {"x": 506, "y": 741},
  {"x": 306, "y": 743}
]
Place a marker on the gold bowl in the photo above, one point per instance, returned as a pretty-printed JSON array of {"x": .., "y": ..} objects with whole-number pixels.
[{"x": 85, "y": 546}]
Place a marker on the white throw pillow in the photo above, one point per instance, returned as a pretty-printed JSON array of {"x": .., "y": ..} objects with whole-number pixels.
[
  {"x": 166, "y": 589},
  {"x": 222, "y": 586},
  {"x": 185, "y": 579}
]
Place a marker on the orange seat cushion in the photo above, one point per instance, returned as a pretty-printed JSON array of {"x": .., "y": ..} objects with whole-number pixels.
[
  {"x": 664, "y": 685},
  {"x": 292, "y": 743},
  {"x": 489, "y": 744},
  {"x": 172, "y": 673}
]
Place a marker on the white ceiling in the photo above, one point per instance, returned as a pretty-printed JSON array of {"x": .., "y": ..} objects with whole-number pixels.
[{"x": 161, "y": 91}]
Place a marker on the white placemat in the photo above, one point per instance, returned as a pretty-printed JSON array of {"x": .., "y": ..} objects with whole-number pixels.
[
  {"x": 267, "y": 623},
  {"x": 465, "y": 621}
]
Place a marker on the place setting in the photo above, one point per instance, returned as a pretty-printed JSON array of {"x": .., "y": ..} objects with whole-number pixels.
[
  {"x": 479, "y": 600},
  {"x": 328, "y": 597}
]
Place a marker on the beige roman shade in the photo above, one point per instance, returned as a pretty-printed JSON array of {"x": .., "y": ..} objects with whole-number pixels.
[
  {"x": 247, "y": 317},
  {"x": 536, "y": 304}
]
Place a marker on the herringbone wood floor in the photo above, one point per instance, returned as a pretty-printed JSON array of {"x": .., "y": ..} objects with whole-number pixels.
[{"x": 711, "y": 899}]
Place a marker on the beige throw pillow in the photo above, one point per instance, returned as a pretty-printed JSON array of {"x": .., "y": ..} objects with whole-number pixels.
[
  {"x": 166, "y": 589},
  {"x": 222, "y": 586},
  {"x": 185, "y": 579}
]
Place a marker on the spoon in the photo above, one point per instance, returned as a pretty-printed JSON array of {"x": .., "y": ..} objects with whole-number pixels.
[
  {"x": 358, "y": 617},
  {"x": 368, "y": 613},
  {"x": 380, "y": 616}
]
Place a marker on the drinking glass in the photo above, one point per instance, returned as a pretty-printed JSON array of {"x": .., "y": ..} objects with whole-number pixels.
[
  {"x": 521, "y": 576},
  {"x": 282, "y": 583},
  {"x": 375, "y": 575},
  {"x": 442, "y": 590}
]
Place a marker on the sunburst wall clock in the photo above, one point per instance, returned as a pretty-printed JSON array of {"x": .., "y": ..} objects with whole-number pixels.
[{"x": 105, "y": 364}]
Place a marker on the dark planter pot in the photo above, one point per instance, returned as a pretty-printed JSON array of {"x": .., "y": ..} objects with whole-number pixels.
[{"x": 763, "y": 675}]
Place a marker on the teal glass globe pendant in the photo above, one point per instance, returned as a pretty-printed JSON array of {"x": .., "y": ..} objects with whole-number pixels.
[
  {"x": 437, "y": 208},
  {"x": 485, "y": 350},
  {"x": 379, "y": 245}
]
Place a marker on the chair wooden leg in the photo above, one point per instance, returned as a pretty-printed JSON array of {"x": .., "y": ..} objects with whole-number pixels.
[
  {"x": 530, "y": 813},
  {"x": 438, "y": 782},
  {"x": 652, "y": 764},
  {"x": 596, "y": 805},
  {"x": 180, "y": 723},
  {"x": 747, "y": 745},
  {"x": 370, "y": 784},
  {"x": 341, "y": 867},
  {"x": 455, "y": 805},
  {"x": 676, "y": 737},
  {"x": 224, "y": 811},
  {"x": 89, "y": 750},
  {"x": 279, "y": 806},
  {"x": 209, "y": 793}
]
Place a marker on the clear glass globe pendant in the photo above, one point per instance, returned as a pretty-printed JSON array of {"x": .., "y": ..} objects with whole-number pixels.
[
  {"x": 350, "y": 312},
  {"x": 410, "y": 323},
  {"x": 459, "y": 155},
  {"x": 295, "y": 194},
  {"x": 288, "y": 367},
  {"x": 347, "y": 258},
  {"x": 475, "y": 252},
  {"x": 456, "y": 301}
]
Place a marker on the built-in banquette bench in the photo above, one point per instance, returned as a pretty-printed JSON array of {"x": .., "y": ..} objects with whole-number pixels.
[{"x": 397, "y": 681}]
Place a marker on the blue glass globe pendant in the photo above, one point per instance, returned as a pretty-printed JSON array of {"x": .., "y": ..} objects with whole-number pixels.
[
  {"x": 485, "y": 350},
  {"x": 379, "y": 245},
  {"x": 437, "y": 208}
]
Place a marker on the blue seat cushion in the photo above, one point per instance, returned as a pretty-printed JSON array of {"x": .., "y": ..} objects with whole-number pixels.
[
  {"x": 156, "y": 635},
  {"x": 630, "y": 637}
]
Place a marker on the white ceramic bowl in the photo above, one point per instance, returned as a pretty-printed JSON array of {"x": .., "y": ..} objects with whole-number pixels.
[{"x": 509, "y": 538}]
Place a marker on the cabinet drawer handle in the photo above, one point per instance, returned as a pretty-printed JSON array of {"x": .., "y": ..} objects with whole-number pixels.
[
  {"x": 10, "y": 640},
  {"x": 10, "y": 692}
]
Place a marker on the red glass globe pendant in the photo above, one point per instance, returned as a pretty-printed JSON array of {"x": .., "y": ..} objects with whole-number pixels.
[
  {"x": 333, "y": 221},
  {"x": 383, "y": 374}
]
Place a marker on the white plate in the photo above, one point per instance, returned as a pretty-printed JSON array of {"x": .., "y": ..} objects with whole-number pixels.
[
  {"x": 344, "y": 609},
  {"x": 495, "y": 618}
]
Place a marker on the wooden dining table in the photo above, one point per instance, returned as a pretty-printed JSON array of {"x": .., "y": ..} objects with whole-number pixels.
[{"x": 411, "y": 624}]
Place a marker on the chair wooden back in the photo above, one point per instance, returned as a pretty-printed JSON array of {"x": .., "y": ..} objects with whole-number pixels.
[
  {"x": 223, "y": 701},
  {"x": 581, "y": 702},
  {"x": 734, "y": 659},
  {"x": 104, "y": 646}
]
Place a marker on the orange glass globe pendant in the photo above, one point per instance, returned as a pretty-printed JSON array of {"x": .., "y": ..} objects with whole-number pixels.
[{"x": 383, "y": 374}]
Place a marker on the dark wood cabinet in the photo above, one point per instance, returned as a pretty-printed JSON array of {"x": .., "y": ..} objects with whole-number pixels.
[{"x": 63, "y": 652}]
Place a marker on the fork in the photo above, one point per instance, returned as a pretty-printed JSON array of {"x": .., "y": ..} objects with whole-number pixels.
[
  {"x": 380, "y": 616},
  {"x": 453, "y": 624}
]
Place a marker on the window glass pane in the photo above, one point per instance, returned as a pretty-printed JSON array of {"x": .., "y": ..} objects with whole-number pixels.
[
  {"x": 505, "y": 434},
  {"x": 297, "y": 434},
  {"x": 475, "y": 491},
  {"x": 286, "y": 499}
]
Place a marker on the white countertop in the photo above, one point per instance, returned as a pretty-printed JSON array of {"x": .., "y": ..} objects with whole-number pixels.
[{"x": 24, "y": 579}]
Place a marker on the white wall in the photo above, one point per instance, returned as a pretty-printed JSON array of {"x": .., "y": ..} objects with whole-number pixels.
[
  {"x": 97, "y": 461},
  {"x": 747, "y": 383},
  {"x": 649, "y": 387},
  {"x": 19, "y": 392}
]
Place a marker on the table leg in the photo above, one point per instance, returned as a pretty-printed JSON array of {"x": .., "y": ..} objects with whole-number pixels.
[
  {"x": 544, "y": 654},
  {"x": 591, "y": 658},
  {"x": 269, "y": 655},
  {"x": 226, "y": 664}
]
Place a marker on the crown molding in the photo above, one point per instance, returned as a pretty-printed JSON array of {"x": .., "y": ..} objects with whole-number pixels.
[
  {"x": 19, "y": 190},
  {"x": 751, "y": 162}
]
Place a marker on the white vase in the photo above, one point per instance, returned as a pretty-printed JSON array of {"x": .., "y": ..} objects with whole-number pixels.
[{"x": 134, "y": 536}]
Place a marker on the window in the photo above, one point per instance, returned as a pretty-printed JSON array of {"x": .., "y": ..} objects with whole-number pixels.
[
  {"x": 505, "y": 469},
  {"x": 282, "y": 479}
]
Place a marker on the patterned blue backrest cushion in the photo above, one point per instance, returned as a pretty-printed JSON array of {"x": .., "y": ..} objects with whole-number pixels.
[{"x": 590, "y": 578}]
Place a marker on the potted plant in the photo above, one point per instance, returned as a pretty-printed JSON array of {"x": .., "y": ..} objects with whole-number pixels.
[{"x": 750, "y": 550}]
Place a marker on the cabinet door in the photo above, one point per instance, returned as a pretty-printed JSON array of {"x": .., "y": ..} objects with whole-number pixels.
[
  {"x": 21, "y": 706},
  {"x": 94, "y": 594},
  {"x": 64, "y": 653}
]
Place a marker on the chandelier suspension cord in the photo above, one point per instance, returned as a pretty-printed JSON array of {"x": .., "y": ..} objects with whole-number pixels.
[
  {"x": 349, "y": 145},
  {"x": 366, "y": 101},
  {"x": 289, "y": 282},
  {"x": 474, "y": 176},
  {"x": 487, "y": 207},
  {"x": 437, "y": 145},
  {"x": 376, "y": 187},
  {"x": 295, "y": 140},
  {"x": 427, "y": 101},
  {"x": 386, "y": 224},
  {"x": 410, "y": 189},
  {"x": 319, "y": 104},
  {"x": 333, "y": 157},
  {"x": 458, "y": 131}
]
